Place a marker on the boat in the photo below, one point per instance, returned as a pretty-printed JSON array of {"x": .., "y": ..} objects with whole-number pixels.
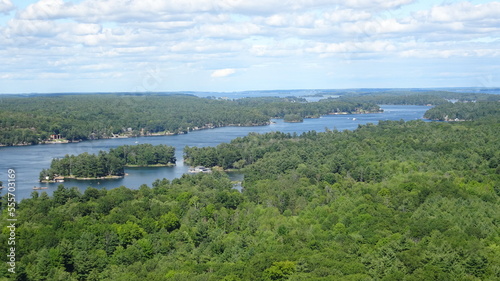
[
  {"x": 59, "y": 179},
  {"x": 199, "y": 169},
  {"x": 39, "y": 187}
]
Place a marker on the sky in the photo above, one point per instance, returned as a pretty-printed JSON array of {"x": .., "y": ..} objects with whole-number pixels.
[{"x": 52, "y": 46}]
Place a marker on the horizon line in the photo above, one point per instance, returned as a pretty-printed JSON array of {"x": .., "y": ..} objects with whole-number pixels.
[{"x": 246, "y": 91}]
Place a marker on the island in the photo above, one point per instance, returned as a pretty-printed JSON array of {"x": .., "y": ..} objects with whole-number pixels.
[{"x": 108, "y": 165}]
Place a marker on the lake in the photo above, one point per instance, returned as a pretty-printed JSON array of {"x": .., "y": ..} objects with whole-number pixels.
[{"x": 28, "y": 161}]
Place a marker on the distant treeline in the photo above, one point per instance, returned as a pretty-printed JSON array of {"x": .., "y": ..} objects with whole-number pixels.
[
  {"x": 32, "y": 120},
  {"x": 417, "y": 98},
  {"x": 105, "y": 164},
  {"x": 280, "y": 107},
  {"x": 463, "y": 111}
]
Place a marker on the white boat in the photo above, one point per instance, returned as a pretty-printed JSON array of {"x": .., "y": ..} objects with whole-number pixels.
[{"x": 199, "y": 169}]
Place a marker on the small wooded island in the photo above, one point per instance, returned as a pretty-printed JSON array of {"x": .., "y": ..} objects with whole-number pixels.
[{"x": 110, "y": 164}]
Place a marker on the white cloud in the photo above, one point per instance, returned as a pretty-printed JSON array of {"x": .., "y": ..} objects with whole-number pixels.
[
  {"x": 277, "y": 48},
  {"x": 170, "y": 26},
  {"x": 261, "y": 7},
  {"x": 272, "y": 51},
  {"x": 86, "y": 28},
  {"x": 230, "y": 30},
  {"x": 463, "y": 11},
  {"x": 223, "y": 72},
  {"x": 96, "y": 67},
  {"x": 445, "y": 51},
  {"x": 6, "y": 6},
  {"x": 53, "y": 75},
  {"x": 353, "y": 47},
  {"x": 376, "y": 4},
  {"x": 206, "y": 46},
  {"x": 295, "y": 20},
  {"x": 347, "y": 15},
  {"x": 37, "y": 28},
  {"x": 206, "y": 36},
  {"x": 46, "y": 9},
  {"x": 130, "y": 10}
]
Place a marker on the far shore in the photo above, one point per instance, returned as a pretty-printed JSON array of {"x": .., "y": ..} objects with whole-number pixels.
[
  {"x": 76, "y": 178},
  {"x": 65, "y": 141},
  {"x": 148, "y": 166}
]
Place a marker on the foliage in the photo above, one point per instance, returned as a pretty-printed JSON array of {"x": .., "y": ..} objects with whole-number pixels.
[
  {"x": 32, "y": 120},
  {"x": 395, "y": 201},
  {"x": 417, "y": 97},
  {"x": 463, "y": 111},
  {"x": 293, "y": 118},
  {"x": 239, "y": 153},
  {"x": 105, "y": 164},
  {"x": 145, "y": 154}
]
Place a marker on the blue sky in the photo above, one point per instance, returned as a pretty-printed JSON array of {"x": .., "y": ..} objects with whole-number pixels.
[{"x": 235, "y": 45}]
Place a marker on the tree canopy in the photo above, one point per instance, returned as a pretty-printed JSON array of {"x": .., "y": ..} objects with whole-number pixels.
[
  {"x": 463, "y": 111},
  {"x": 106, "y": 164},
  {"x": 395, "y": 201},
  {"x": 32, "y": 120},
  {"x": 409, "y": 97}
]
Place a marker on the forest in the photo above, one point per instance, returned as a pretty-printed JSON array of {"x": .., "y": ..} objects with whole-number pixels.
[
  {"x": 395, "y": 201},
  {"x": 292, "y": 118},
  {"x": 418, "y": 97},
  {"x": 33, "y": 120},
  {"x": 461, "y": 111},
  {"x": 106, "y": 164}
]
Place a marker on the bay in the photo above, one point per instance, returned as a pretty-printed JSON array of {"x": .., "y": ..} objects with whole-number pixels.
[{"x": 28, "y": 161}]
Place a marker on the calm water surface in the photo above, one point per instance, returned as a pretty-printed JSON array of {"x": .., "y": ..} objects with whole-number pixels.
[{"x": 28, "y": 161}]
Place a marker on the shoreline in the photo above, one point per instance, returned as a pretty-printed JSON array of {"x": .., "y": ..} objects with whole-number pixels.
[
  {"x": 150, "y": 166},
  {"x": 64, "y": 141},
  {"x": 82, "y": 179}
]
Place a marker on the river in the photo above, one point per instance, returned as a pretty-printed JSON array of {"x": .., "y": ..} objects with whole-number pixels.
[{"x": 28, "y": 161}]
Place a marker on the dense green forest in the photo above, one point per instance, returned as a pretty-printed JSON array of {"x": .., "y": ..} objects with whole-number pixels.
[
  {"x": 463, "y": 111},
  {"x": 237, "y": 154},
  {"x": 395, "y": 201},
  {"x": 417, "y": 98},
  {"x": 31, "y": 120},
  {"x": 293, "y": 118},
  {"x": 106, "y": 164},
  {"x": 280, "y": 107}
]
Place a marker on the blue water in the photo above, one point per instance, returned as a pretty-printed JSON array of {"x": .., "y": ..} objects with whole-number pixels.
[{"x": 28, "y": 161}]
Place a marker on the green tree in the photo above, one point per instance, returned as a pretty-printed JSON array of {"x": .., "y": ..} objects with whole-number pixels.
[
  {"x": 169, "y": 221},
  {"x": 280, "y": 270}
]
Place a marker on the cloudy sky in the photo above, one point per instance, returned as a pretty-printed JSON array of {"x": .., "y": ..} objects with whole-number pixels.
[{"x": 234, "y": 45}]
